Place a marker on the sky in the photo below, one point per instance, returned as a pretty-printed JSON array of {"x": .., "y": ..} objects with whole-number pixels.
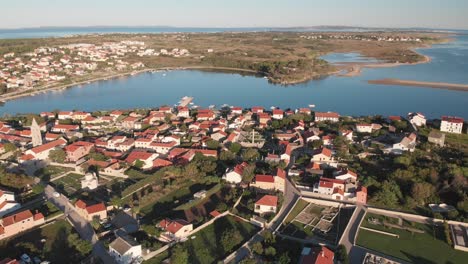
[{"x": 448, "y": 14}]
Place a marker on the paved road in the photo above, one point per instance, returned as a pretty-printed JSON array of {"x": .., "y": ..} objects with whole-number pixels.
[{"x": 82, "y": 226}]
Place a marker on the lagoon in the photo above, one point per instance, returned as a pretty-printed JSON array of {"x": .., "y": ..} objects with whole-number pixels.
[{"x": 346, "y": 95}]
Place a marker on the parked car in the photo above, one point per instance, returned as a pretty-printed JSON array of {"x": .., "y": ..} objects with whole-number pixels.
[
  {"x": 25, "y": 258},
  {"x": 56, "y": 194}
]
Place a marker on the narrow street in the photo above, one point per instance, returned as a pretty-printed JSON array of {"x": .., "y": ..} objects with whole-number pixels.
[{"x": 82, "y": 226}]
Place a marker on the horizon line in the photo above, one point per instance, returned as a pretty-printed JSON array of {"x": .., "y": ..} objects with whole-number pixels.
[{"x": 230, "y": 27}]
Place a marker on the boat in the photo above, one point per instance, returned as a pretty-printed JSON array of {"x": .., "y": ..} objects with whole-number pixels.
[
  {"x": 311, "y": 105},
  {"x": 265, "y": 77},
  {"x": 163, "y": 74},
  {"x": 212, "y": 106},
  {"x": 273, "y": 107}
]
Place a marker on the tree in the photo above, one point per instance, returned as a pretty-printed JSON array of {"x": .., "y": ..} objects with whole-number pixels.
[
  {"x": 151, "y": 230},
  {"x": 284, "y": 258},
  {"x": 341, "y": 254},
  {"x": 83, "y": 246},
  {"x": 229, "y": 239},
  {"x": 57, "y": 155},
  {"x": 139, "y": 164},
  {"x": 9, "y": 147},
  {"x": 248, "y": 173},
  {"x": 257, "y": 248},
  {"x": 227, "y": 155},
  {"x": 389, "y": 194},
  {"x": 270, "y": 251},
  {"x": 212, "y": 144},
  {"x": 421, "y": 191},
  {"x": 235, "y": 147},
  {"x": 250, "y": 154},
  {"x": 179, "y": 255}
]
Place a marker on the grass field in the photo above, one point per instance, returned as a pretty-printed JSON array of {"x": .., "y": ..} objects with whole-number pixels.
[
  {"x": 43, "y": 242},
  {"x": 301, "y": 204},
  {"x": 50, "y": 172},
  {"x": 70, "y": 184},
  {"x": 429, "y": 247},
  {"x": 207, "y": 246}
]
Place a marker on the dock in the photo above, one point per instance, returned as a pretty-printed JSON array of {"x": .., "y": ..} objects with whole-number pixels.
[{"x": 186, "y": 100}]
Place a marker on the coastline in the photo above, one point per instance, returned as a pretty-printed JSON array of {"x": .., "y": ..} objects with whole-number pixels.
[
  {"x": 25, "y": 93},
  {"x": 436, "y": 85},
  {"x": 354, "y": 68}
]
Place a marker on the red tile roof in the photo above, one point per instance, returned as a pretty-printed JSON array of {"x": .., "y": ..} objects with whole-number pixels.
[
  {"x": 138, "y": 155},
  {"x": 264, "y": 178},
  {"x": 12, "y": 219},
  {"x": 268, "y": 200},
  {"x": 172, "y": 226},
  {"x": 327, "y": 115},
  {"x": 49, "y": 145},
  {"x": 92, "y": 209},
  {"x": 452, "y": 119}
]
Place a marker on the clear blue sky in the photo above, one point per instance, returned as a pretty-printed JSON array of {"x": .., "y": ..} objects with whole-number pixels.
[{"x": 235, "y": 13}]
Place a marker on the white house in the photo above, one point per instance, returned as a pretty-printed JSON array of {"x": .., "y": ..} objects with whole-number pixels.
[
  {"x": 125, "y": 250},
  {"x": 406, "y": 144},
  {"x": 175, "y": 229},
  {"x": 7, "y": 202},
  {"x": 266, "y": 204},
  {"x": 417, "y": 119},
  {"x": 364, "y": 128},
  {"x": 235, "y": 175},
  {"x": 42, "y": 152},
  {"x": 328, "y": 116},
  {"x": 327, "y": 186},
  {"x": 322, "y": 155},
  {"x": 451, "y": 124}
]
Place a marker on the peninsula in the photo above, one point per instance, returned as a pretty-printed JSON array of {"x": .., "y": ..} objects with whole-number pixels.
[{"x": 38, "y": 65}]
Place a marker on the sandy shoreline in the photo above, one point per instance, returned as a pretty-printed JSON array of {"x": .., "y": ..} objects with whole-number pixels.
[
  {"x": 438, "y": 85},
  {"x": 355, "y": 68}
]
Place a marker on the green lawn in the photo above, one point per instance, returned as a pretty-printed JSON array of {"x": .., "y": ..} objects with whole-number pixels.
[
  {"x": 195, "y": 202},
  {"x": 69, "y": 184},
  {"x": 429, "y": 247},
  {"x": 301, "y": 204},
  {"x": 208, "y": 247},
  {"x": 49, "y": 172},
  {"x": 158, "y": 259},
  {"x": 43, "y": 242}
]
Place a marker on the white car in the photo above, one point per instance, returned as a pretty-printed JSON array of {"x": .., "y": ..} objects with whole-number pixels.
[{"x": 56, "y": 194}]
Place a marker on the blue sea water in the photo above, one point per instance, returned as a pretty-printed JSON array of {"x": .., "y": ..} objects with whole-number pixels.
[{"x": 346, "y": 95}]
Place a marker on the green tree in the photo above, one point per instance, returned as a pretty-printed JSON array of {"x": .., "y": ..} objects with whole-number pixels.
[
  {"x": 248, "y": 173},
  {"x": 180, "y": 255},
  {"x": 57, "y": 155},
  {"x": 229, "y": 239},
  {"x": 341, "y": 254},
  {"x": 270, "y": 251},
  {"x": 235, "y": 147},
  {"x": 9, "y": 147},
  {"x": 151, "y": 230},
  {"x": 212, "y": 144},
  {"x": 139, "y": 164},
  {"x": 389, "y": 194},
  {"x": 227, "y": 155},
  {"x": 257, "y": 248},
  {"x": 284, "y": 259},
  {"x": 250, "y": 154},
  {"x": 421, "y": 191}
]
